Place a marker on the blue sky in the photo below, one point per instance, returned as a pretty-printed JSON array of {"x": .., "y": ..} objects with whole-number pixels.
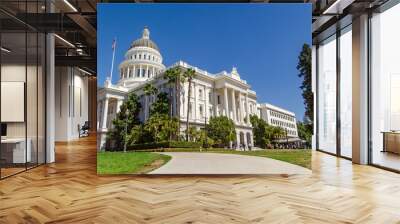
[{"x": 261, "y": 40}]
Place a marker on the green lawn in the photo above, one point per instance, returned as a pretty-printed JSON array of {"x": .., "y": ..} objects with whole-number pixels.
[
  {"x": 129, "y": 162},
  {"x": 301, "y": 157}
]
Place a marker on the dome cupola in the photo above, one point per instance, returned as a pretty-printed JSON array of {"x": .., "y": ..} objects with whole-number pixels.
[
  {"x": 145, "y": 41},
  {"x": 142, "y": 61}
]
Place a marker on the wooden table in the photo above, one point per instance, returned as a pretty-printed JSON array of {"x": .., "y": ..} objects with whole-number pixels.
[
  {"x": 13, "y": 150},
  {"x": 391, "y": 141}
]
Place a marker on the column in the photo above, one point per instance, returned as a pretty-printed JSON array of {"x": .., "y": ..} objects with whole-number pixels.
[
  {"x": 252, "y": 139},
  {"x": 247, "y": 109},
  {"x": 234, "y": 106},
  {"x": 206, "y": 114},
  {"x": 360, "y": 90},
  {"x": 134, "y": 71},
  {"x": 105, "y": 113},
  {"x": 154, "y": 72},
  {"x": 140, "y": 71},
  {"x": 98, "y": 114},
  {"x": 128, "y": 72},
  {"x": 194, "y": 108},
  {"x": 240, "y": 108},
  {"x": 50, "y": 94},
  {"x": 245, "y": 141},
  {"x": 215, "y": 103},
  {"x": 147, "y": 71},
  {"x": 238, "y": 140},
  {"x": 119, "y": 103},
  {"x": 226, "y": 102}
]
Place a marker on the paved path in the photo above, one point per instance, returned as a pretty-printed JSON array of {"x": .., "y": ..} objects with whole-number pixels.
[{"x": 218, "y": 163}]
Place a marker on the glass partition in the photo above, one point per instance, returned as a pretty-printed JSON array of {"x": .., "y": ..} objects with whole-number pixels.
[
  {"x": 385, "y": 89},
  {"x": 345, "y": 92},
  {"x": 14, "y": 155},
  {"x": 22, "y": 107},
  {"x": 327, "y": 96}
]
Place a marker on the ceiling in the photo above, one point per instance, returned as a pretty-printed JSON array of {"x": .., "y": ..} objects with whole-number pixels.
[{"x": 73, "y": 21}]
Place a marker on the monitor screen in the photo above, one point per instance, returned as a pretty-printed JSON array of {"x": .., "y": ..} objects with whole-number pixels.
[{"x": 3, "y": 129}]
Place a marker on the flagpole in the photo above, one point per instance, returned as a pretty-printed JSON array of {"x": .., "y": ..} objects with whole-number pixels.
[{"x": 112, "y": 62}]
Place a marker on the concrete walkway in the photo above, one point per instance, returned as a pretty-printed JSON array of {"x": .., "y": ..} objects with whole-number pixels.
[{"x": 219, "y": 163}]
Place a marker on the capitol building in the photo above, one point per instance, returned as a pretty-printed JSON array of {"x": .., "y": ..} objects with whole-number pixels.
[{"x": 224, "y": 93}]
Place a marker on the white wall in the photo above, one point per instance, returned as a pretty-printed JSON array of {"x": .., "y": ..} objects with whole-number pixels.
[{"x": 71, "y": 103}]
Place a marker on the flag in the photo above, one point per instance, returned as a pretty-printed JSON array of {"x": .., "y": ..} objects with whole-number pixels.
[{"x": 114, "y": 44}]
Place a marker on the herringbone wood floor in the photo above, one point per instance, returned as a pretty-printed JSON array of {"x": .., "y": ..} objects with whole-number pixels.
[{"x": 69, "y": 191}]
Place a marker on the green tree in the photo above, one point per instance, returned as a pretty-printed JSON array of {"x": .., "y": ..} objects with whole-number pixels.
[
  {"x": 193, "y": 134},
  {"x": 221, "y": 129},
  {"x": 175, "y": 78},
  {"x": 126, "y": 119},
  {"x": 149, "y": 90},
  {"x": 277, "y": 132},
  {"x": 189, "y": 74},
  {"x": 161, "y": 105},
  {"x": 304, "y": 68},
  {"x": 161, "y": 126},
  {"x": 261, "y": 136},
  {"x": 304, "y": 132},
  {"x": 205, "y": 139},
  {"x": 263, "y": 133}
]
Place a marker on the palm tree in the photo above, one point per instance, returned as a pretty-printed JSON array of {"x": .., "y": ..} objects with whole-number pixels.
[
  {"x": 189, "y": 75},
  {"x": 175, "y": 77},
  {"x": 148, "y": 90},
  {"x": 278, "y": 132}
]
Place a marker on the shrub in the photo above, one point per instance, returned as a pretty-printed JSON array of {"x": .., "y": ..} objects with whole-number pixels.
[
  {"x": 145, "y": 146},
  {"x": 184, "y": 144},
  {"x": 159, "y": 145}
]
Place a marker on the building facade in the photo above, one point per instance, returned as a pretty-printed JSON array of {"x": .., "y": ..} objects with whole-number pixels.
[
  {"x": 221, "y": 94},
  {"x": 279, "y": 117}
]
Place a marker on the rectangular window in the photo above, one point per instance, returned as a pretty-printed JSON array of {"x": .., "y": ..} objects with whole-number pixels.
[
  {"x": 191, "y": 110},
  {"x": 327, "y": 95},
  {"x": 201, "y": 111},
  {"x": 219, "y": 99}
]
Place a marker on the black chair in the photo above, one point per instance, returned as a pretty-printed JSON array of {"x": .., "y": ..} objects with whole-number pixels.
[{"x": 84, "y": 130}]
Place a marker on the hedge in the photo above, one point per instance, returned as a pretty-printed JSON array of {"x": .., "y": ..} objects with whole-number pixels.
[
  {"x": 182, "y": 144},
  {"x": 160, "y": 145}
]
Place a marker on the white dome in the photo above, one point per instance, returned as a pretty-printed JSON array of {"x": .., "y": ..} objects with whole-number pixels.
[{"x": 142, "y": 61}]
